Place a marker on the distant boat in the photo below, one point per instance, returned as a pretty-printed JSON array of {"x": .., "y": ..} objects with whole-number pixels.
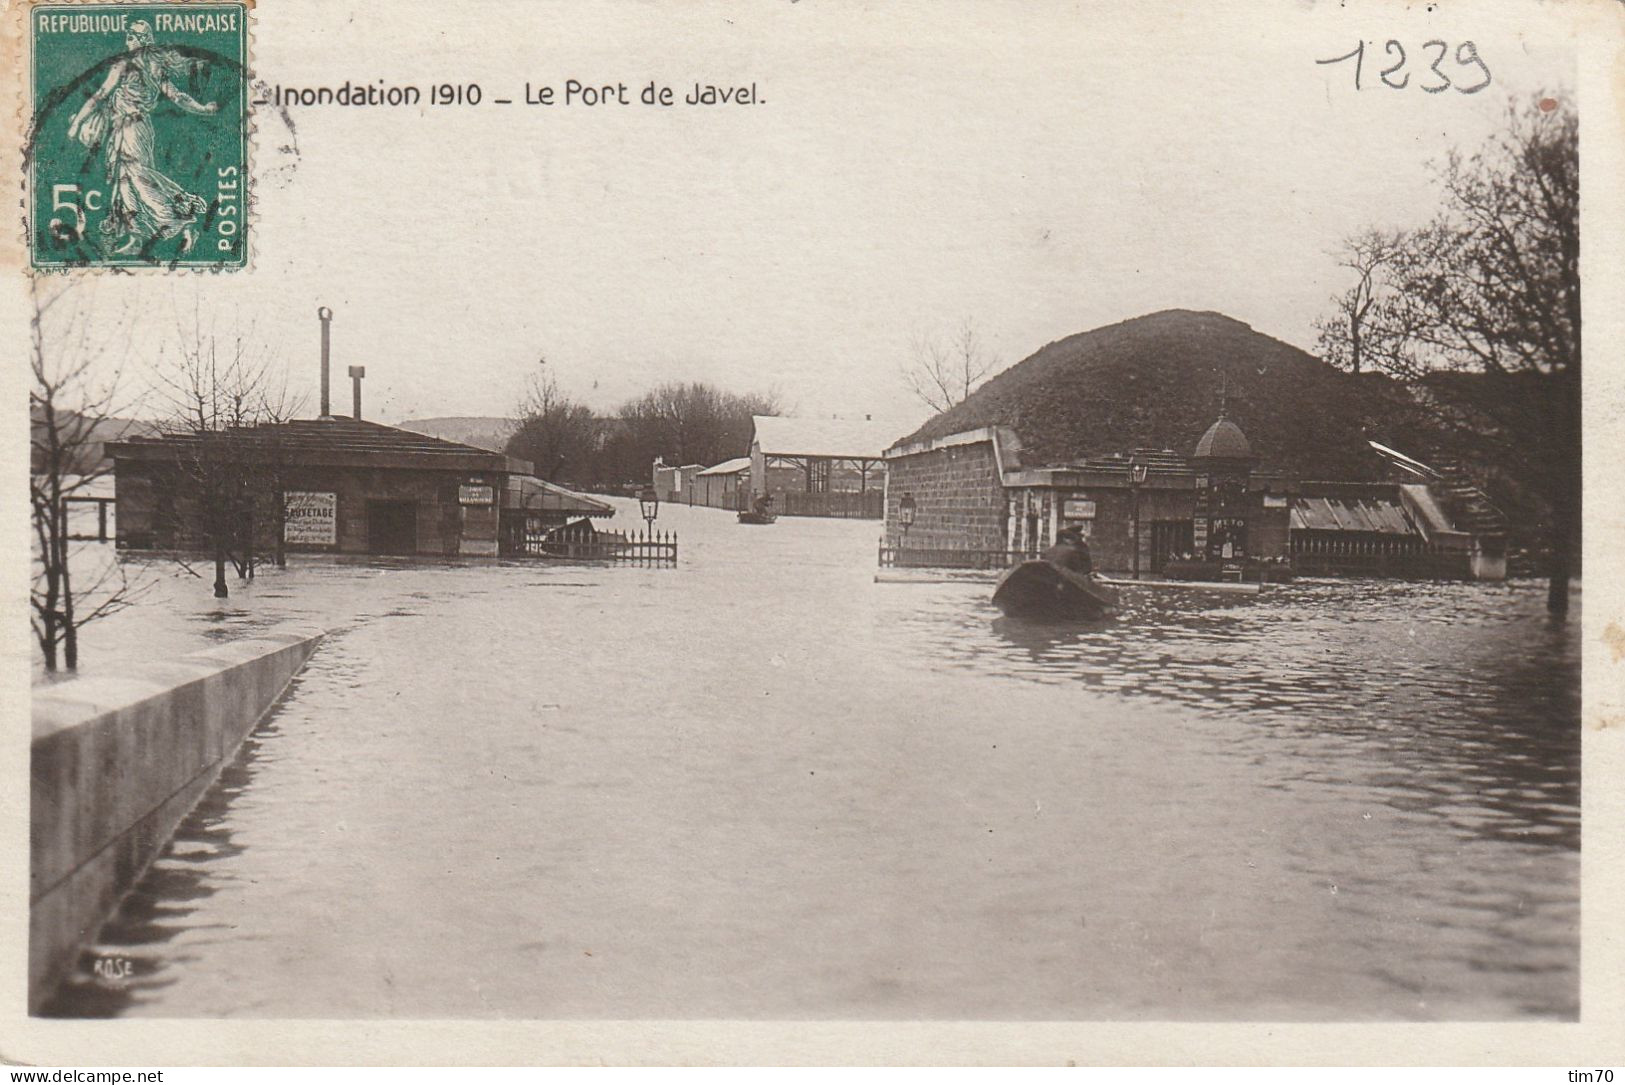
[
  {"x": 1044, "y": 591},
  {"x": 748, "y": 517}
]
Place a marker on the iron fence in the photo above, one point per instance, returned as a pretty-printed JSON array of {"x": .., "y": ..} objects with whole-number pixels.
[
  {"x": 1399, "y": 558},
  {"x": 646, "y": 547},
  {"x": 1309, "y": 557}
]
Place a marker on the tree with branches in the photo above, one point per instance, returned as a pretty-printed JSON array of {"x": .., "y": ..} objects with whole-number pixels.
[
  {"x": 1477, "y": 315},
  {"x": 691, "y": 422},
  {"x": 1361, "y": 324},
  {"x": 71, "y": 415},
  {"x": 226, "y": 407},
  {"x": 943, "y": 372},
  {"x": 559, "y": 436}
]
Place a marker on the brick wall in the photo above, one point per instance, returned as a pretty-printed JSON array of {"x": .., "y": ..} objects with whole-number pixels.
[{"x": 958, "y": 499}]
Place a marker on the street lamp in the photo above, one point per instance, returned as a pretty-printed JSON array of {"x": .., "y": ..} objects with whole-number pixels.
[
  {"x": 1136, "y": 476},
  {"x": 649, "y": 506},
  {"x": 905, "y": 515}
]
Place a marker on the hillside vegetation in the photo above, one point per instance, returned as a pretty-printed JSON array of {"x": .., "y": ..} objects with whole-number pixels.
[
  {"x": 481, "y": 431},
  {"x": 1155, "y": 382}
]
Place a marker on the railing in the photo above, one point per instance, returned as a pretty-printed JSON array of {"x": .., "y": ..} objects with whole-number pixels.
[
  {"x": 949, "y": 557},
  {"x": 586, "y": 544},
  {"x": 1309, "y": 557},
  {"x": 1401, "y": 558}
]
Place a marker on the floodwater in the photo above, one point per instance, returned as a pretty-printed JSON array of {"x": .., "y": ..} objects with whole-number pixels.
[{"x": 763, "y": 785}]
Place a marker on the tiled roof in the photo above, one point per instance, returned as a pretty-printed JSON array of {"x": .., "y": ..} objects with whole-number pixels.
[
  {"x": 1158, "y": 461},
  {"x": 341, "y": 441}
]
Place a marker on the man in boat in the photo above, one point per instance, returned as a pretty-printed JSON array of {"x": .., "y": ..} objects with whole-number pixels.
[
  {"x": 1070, "y": 551},
  {"x": 763, "y": 505}
]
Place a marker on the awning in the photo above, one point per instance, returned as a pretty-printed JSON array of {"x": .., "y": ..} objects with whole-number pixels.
[
  {"x": 538, "y": 495},
  {"x": 1344, "y": 514}
]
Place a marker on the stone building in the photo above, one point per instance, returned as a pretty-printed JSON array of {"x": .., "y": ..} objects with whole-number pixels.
[
  {"x": 1135, "y": 432},
  {"x": 1139, "y": 510},
  {"x": 1157, "y": 511},
  {"x": 333, "y": 485}
]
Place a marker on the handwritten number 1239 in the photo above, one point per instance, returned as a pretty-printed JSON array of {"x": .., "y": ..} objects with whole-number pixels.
[{"x": 1434, "y": 80}]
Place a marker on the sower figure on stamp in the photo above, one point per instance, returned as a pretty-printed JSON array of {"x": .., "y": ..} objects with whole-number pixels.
[{"x": 144, "y": 204}]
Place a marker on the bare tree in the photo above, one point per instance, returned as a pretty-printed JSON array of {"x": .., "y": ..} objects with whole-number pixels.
[
  {"x": 1353, "y": 334},
  {"x": 226, "y": 407},
  {"x": 71, "y": 415},
  {"x": 692, "y": 422},
  {"x": 1479, "y": 315},
  {"x": 942, "y": 373},
  {"x": 558, "y": 435}
]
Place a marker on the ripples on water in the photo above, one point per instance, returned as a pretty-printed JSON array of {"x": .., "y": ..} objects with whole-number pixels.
[
  {"x": 1460, "y": 683},
  {"x": 764, "y": 785}
]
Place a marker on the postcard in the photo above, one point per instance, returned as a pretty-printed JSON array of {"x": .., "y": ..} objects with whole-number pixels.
[{"x": 807, "y": 532}]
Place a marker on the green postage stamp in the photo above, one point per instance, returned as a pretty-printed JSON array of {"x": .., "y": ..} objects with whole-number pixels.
[{"x": 138, "y": 151}]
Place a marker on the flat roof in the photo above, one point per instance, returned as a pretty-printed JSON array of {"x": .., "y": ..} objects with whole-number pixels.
[
  {"x": 729, "y": 467},
  {"x": 829, "y": 438}
]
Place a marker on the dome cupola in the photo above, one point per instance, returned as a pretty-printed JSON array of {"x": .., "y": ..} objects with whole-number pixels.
[{"x": 1223, "y": 441}]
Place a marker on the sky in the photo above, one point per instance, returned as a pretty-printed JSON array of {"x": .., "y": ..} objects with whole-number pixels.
[{"x": 1037, "y": 169}]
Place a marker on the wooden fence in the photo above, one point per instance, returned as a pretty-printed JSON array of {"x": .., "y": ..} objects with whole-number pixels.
[{"x": 868, "y": 505}]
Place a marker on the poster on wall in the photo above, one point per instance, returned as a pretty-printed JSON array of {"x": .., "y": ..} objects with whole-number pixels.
[
  {"x": 310, "y": 519},
  {"x": 1076, "y": 508}
]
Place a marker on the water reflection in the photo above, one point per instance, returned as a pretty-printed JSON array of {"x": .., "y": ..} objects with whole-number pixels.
[
  {"x": 1470, "y": 698},
  {"x": 129, "y": 964}
]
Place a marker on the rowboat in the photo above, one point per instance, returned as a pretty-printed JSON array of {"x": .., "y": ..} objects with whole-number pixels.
[
  {"x": 748, "y": 517},
  {"x": 1046, "y": 592}
]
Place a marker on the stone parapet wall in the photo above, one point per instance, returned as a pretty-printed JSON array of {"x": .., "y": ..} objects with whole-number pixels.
[{"x": 117, "y": 762}]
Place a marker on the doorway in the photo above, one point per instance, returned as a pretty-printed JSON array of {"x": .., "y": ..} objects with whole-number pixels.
[
  {"x": 1169, "y": 539},
  {"x": 392, "y": 527}
]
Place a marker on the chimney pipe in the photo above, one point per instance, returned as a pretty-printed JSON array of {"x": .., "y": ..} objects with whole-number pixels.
[
  {"x": 356, "y": 373},
  {"x": 326, "y": 316}
]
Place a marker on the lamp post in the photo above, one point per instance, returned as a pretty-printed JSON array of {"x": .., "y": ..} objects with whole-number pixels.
[
  {"x": 649, "y": 506},
  {"x": 905, "y": 515},
  {"x": 1136, "y": 476}
]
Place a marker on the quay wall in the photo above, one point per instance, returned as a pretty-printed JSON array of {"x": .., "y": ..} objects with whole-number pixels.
[{"x": 117, "y": 762}]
